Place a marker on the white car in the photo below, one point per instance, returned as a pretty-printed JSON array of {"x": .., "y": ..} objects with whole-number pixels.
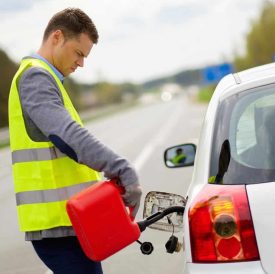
[{"x": 229, "y": 217}]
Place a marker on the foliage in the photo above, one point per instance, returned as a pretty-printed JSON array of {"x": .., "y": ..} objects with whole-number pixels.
[
  {"x": 206, "y": 93},
  {"x": 130, "y": 88},
  {"x": 107, "y": 93},
  {"x": 7, "y": 71},
  {"x": 74, "y": 91},
  {"x": 260, "y": 41}
]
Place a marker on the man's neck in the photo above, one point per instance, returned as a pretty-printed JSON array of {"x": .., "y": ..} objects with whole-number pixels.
[
  {"x": 43, "y": 53},
  {"x": 51, "y": 64}
]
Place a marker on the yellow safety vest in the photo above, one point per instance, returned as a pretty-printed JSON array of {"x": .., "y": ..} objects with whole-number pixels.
[
  {"x": 178, "y": 158},
  {"x": 44, "y": 178}
]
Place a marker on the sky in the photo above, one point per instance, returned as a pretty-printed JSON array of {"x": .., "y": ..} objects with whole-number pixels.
[{"x": 139, "y": 40}]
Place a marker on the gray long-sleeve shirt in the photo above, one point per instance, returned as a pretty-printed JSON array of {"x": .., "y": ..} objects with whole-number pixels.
[{"x": 46, "y": 119}]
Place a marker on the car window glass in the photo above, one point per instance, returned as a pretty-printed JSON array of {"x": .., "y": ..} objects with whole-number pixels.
[
  {"x": 243, "y": 145},
  {"x": 251, "y": 127}
]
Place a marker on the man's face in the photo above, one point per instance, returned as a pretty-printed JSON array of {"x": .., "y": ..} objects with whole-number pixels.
[{"x": 69, "y": 54}]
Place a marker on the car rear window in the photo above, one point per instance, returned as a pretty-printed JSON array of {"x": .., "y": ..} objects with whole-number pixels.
[{"x": 243, "y": 147}]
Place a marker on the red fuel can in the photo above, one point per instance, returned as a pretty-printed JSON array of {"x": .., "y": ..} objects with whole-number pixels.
[{"x": 101, "y": 221}]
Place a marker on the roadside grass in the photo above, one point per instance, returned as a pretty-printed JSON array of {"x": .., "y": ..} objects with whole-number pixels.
[
  {"x": 4, "y": 144},
  {"x": 206, "y": 93}
]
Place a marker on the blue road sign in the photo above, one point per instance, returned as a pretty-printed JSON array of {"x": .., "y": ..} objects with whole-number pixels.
[{"x": 214, "y": 74}]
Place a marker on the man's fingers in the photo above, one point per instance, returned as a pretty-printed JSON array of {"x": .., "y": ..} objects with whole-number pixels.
[{"x": 135, "y": 211}]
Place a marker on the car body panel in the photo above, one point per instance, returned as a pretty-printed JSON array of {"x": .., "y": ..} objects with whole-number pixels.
[
  {"x": 262, "y": 206},
  {"x": 230, "y": 85},
  {"x": 261, "y": 196},
  {"x": 225, "y": 268}
]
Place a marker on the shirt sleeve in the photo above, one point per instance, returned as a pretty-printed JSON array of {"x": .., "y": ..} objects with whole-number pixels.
[{"x": 42, "y": 102}]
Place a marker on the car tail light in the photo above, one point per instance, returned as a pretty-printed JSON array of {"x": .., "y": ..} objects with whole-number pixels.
[{"x": 221, "y": 228}]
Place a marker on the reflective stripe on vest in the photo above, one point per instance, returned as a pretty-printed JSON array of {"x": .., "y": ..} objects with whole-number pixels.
[
  {"x": 50, "y": 195},
  {"x": 36, "y": 154}
]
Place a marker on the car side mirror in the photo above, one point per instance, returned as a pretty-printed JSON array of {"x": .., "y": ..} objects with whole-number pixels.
[
  {"x": 156, "y": 202},
  {"x": 180, "y": 156}
]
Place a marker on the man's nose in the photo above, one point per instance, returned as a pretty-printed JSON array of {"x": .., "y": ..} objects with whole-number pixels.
[{"x": 80, "y": 62}]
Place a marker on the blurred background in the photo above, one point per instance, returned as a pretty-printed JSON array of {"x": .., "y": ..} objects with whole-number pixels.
[
  {"x": 144, "y": 46},
  {"x": 144, "y": 87}
]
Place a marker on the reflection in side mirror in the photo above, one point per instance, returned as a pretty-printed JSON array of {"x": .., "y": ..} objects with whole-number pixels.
[
  {"x": 158, "y": 201},
  {"x": 180, "y": 156}
]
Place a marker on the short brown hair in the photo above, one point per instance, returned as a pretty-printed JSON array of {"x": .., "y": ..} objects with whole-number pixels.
[{"x": 72, "y": 22}]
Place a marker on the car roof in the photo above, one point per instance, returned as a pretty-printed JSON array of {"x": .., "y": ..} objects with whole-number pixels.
[
  {"x": 255, "y": 73},
  {"x": 236, "y": 82}
]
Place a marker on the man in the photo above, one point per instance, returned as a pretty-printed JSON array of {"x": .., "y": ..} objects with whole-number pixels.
[
  {"x": 53, "y": 155},
  {"x": 179, "y": 158}
]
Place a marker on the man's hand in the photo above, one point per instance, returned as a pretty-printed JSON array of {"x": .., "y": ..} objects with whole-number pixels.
[{"x": 132, "y": 196}]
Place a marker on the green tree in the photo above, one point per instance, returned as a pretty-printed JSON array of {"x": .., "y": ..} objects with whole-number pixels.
[
  {"x": 107, "y": 93},
  {"x": 74, "y": 91},
  {"x": 260, "y": 41},
  {"x": 7, "y": 71}
]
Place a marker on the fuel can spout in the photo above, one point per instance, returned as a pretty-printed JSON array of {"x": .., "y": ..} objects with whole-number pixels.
[{"x": 159, "y": 215}]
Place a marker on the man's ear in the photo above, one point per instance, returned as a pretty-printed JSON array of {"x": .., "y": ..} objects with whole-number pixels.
[{"x": 57, "y": 37}]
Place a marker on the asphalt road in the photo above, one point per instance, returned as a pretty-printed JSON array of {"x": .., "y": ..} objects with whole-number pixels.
[{"x": 141, "y": 135}]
